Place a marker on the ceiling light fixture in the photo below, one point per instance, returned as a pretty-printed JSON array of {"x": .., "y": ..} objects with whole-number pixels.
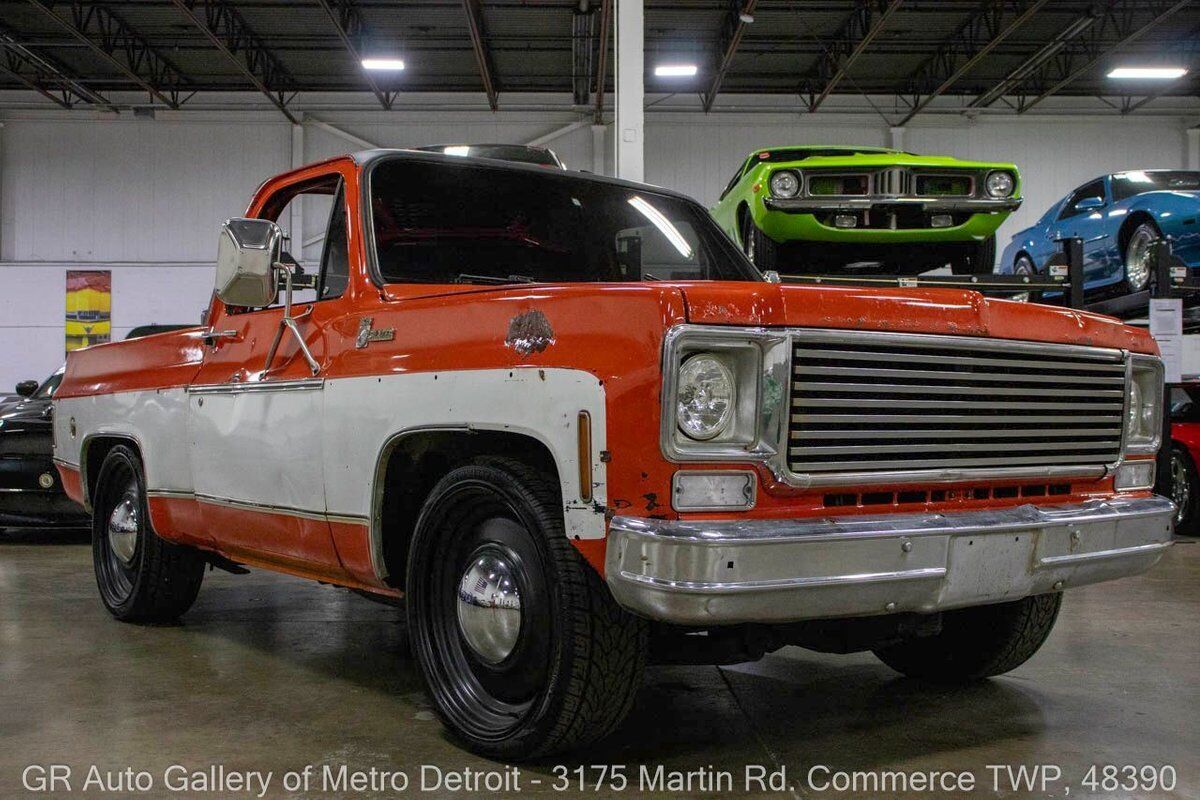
[
  {"x": 675, "y": 70},
  {"x": 383, "y": 64},
  {"x": 1149, "y": 73}
]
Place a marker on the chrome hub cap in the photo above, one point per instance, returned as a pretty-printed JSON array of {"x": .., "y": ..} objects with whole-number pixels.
[
  {"x": 1137, "y": 259},
  {"x": 1181, "y": 490},
  {"x": 123, "y": 528},
  {"x": 489, "y": 605}
]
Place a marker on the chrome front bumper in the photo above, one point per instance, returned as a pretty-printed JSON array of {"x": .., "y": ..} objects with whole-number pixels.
[
  {"x": 931, "y": 204},
  {"x": 724, "y": 572}
]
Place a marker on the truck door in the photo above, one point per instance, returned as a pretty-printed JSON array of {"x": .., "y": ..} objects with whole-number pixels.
[{"x": 255, "y": 429}]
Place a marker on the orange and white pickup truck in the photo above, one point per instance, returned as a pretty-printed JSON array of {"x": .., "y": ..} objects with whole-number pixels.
[{"x": 576, "y": 430}]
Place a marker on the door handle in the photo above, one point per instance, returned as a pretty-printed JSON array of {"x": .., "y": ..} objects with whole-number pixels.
[{"x": 211, "y": 337}]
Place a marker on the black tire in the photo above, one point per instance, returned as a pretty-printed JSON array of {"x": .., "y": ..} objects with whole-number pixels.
[
  {"x": 1023, "y": 265},
  {"x": 977, "y": 259},
  {"x": 1185, "y": 491},
  {"x": 761, "y": 249},
  {"x": 573, "y": 668},
  {"x": 977, "y": 643},
  {"x": 151, "y": 580}
]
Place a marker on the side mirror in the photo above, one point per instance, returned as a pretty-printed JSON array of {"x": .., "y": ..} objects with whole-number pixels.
[
  {"x": 247, "y": 253},
  {"x": 771, "y": 276},
  {"x": 1089, "y": 204},
  {"x": 27, "y": 388}
]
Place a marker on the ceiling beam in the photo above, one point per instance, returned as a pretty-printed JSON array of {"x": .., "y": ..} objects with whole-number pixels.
[
  {"x": 482, "y": 57},
  {"x": 44, "y": 75},
  {"x": 602, "y": 34},
  {"x": 348, "y": 22},
  {"x": 989, "y": 26},
  {"x": 111, "y": 38},
  {"x": 229, "y": 33},
  {"x": 732, "y": 30},
  {"x": 850, "y": 42},
  {"x": 1121, "y": 23}
]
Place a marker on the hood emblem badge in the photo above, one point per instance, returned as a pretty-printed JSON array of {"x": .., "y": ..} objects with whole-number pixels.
[{"x": 366, "y": 334}]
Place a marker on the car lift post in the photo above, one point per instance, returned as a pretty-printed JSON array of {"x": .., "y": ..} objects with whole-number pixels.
[
  {"x": 1073, "y": 250},
  {"x": 1163, "y": 286}
]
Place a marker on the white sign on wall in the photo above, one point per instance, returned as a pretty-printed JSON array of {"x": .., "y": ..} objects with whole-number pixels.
[{"x": 1166, "y": 326}]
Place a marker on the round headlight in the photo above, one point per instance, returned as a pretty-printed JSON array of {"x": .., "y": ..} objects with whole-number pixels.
[
  {"x": 706, "y": 397},
  {"x": 999, "y": 184},
  {"x": 785, "y": 183},
  {"x": 1134, "y": 412}
]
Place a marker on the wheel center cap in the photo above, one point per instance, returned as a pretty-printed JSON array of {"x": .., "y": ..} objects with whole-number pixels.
[
  {"x": 489, "y": 605},
  {"x": 123, "y": 529}
]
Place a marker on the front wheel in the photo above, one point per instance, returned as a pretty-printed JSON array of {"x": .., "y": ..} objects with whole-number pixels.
[
  {"x": 761, "y": 249},
  {"x": 1185, "y": 491},
  {"x": 978, "y": 642},
  {"x": 521, "y": 645},
  {"x": 1139, "y": 256},
  {"x": 141, "y": 577}
]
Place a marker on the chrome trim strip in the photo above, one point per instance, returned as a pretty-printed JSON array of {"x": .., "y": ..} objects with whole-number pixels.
[
  {"x": 262, "y": 508},
  {"x": 1102, "y": 555},
  {"x": 301, "y": 385},
  {"x": 62, "y": 462},
  {"x": 815, "y": 204},
  {"x": 740, "y": 587}
]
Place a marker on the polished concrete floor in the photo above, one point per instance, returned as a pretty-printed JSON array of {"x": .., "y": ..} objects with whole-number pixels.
[{"x": 270, "y": 673}]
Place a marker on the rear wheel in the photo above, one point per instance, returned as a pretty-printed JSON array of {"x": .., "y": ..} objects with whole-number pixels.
[
  {"x": 141, "y": 577},
  {"x": 759, "y": 248},
  {"x": 522, "y": 647},
  {"x": 978, "y": 642},
  {"x": 1139, "y": 256},
  {"x": 976, "y": 259}
]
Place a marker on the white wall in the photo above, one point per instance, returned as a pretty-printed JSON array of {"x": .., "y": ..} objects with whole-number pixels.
[{"x": 144, "y": 198}]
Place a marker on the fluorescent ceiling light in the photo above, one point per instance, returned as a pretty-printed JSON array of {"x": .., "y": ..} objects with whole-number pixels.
[
  {"x": 675, "y": 70},
  {"x": 457, "y": 150},
  {"x": 383, "y": 64},
  {"x": 1149, "y": 73}
]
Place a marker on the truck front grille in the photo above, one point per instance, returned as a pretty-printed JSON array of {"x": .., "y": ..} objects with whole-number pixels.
[{"x": 864, "y": 403}]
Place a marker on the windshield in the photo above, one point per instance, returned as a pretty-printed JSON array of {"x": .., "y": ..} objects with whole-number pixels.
[
  {"x": 1128, "y": 184},
  {"x": 47, "y": 389},
  {"x": 466, "y": 223}
]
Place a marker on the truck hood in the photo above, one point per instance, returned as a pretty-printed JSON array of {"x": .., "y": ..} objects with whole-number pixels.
[{"x": 937, "y": 311}]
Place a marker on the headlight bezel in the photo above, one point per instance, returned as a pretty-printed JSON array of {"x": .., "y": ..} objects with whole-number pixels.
[
  {"x": 779, "y": 173},
  {"x": 758, "y": 360},
  {"x": 1012, "y": 184},
  {"x": 1146, "y": 372}
]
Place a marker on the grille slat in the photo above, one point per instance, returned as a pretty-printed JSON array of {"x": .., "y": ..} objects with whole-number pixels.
[{"x": 875, "y": 402}]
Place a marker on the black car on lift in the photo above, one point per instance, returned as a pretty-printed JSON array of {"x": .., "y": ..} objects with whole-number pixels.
[{"x": 30, "y": 491}]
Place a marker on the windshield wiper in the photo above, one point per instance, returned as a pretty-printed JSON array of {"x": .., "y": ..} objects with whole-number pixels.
[{"x": 466, "y": 277}]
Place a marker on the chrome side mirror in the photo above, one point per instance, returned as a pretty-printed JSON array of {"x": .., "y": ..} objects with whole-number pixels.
[
  {"x": 247, "y": 254},
  {"x": 771, "y": 276}
]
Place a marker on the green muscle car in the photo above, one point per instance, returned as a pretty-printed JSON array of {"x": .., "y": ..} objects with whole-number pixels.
[{"x": 818, "y": 209}]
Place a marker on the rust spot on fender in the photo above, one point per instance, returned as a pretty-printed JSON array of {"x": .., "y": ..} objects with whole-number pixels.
[
  {"x": 651, "y": 501},
  {"x": 529, "y": 332}
]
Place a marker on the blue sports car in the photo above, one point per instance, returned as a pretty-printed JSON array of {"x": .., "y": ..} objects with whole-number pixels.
[{"x": 1118, "y": 217}]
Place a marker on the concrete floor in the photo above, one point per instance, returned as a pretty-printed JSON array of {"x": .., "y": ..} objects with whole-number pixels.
[{"x": 273, "y": 673}]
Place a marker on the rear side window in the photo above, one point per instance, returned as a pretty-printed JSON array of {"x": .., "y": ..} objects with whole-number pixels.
[{"x": 465, "y": 223}]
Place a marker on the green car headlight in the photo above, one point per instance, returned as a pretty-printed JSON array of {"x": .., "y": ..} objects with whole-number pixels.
[
  {"x": 785, "y": 183},
  {"x": 999, "y": 184}
]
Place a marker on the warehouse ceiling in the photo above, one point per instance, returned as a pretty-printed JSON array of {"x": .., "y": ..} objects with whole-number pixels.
[{"x": 1000, "y": 55}]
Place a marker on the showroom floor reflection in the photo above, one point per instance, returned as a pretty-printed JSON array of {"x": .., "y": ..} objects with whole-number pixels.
[{"x": 274, "y": 674}]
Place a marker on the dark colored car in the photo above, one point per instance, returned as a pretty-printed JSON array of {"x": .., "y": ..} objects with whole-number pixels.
[
  {"x": 522, "y": 153},
  {"x": 30, "y": 491}
]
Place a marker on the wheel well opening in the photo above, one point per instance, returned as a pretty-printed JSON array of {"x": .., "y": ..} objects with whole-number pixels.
[
  {"x": 94, "y": 454},
  {"x": 1129, "y": 226},
  {"x": 421, "y": 459}
]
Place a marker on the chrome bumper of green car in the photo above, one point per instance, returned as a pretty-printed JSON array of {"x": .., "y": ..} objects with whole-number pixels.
[
  {"x": 807, "y": 225},
  {"x": 816, "y": 205}
]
